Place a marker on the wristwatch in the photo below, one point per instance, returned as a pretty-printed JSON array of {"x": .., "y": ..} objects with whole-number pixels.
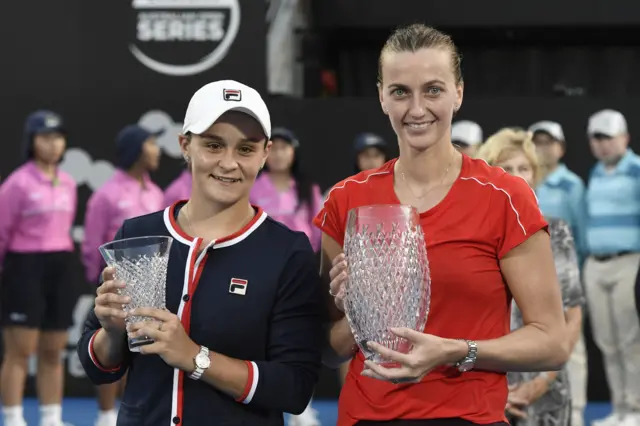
[
  {"x": 201, "y": 362},
  {"x": 467, "y": 363}
]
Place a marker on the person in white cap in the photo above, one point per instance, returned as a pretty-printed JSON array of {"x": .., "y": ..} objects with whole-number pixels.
[
  {"x": 561, "y": 194},
  {"x": 241, "y": 339},
  {"x": 466, "y": 136},
  {"x": 613, "y": 242}
]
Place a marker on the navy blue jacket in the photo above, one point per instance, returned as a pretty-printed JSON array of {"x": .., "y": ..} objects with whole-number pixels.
[{"x": 275, "y": 324}]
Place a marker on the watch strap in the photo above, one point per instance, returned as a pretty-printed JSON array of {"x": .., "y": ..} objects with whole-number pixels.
[
  {"x": 198, "y": 371},
  {"x": 467, "y": 363}
]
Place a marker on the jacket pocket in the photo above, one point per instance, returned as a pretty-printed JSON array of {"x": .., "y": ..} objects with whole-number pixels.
[{"x": 130, "y": 415}]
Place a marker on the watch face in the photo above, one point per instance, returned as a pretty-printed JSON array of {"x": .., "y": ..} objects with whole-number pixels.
[
  {"x": 202, "y": 361},
  {"x": 465, "y": 366}
]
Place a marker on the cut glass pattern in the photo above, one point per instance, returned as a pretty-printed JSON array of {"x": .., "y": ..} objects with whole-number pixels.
[{"x": 388, "y": 275}]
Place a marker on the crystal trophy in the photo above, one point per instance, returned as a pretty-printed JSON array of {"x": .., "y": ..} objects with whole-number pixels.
[
  {"x": 388, "y": 281},
  {"x": 141, "y": 263}
]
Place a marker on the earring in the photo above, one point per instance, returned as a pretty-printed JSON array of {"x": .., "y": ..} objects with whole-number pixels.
[
  {"x": 186, "y": 158},
  {"x": 456, "y": 107}
]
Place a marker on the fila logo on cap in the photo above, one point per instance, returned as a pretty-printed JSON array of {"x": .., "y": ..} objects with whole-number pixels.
[
  {"x": 232, "y": 95},
  {"x": 238, "y": 286}
]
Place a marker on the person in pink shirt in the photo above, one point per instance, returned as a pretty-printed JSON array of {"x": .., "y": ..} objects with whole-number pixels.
[
  {"x": 288, "y": 196},
  {"x": 36, "y": 253},
  {"x": 284, "y": 192},
  {"x": 179, "y": 189},
  {"x": 129, "y": 193}
]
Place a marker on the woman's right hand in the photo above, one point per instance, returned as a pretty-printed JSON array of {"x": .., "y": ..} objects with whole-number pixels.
[
  {"x": 109, "y": 303},
  {"x": 338, "y": 275}
]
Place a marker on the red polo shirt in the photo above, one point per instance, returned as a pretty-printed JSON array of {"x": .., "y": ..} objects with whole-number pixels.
[{"x": 486, "y": 213}]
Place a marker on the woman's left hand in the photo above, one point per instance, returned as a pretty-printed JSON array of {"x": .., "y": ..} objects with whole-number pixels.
[
  {"x": 170, "y": 340},
  {"x": 428, "y": 352},
  {"x": 528, "y": 392}
]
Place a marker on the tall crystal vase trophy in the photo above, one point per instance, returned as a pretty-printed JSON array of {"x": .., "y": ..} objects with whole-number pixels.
[
  {"x": 141, "y": 263},
  {"x": 388, "y": 276}
]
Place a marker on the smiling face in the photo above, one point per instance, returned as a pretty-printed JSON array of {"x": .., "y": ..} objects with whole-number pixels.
[
  {"x": 226, "y": 158},
  {"x": 420, "y": 95}
]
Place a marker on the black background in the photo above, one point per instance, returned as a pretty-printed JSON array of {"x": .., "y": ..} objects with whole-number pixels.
[{"x": 470, "y": 13}]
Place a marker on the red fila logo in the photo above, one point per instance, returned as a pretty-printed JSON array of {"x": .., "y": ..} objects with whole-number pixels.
[
  {"x": 238, "y": 286},
  {"x": 232, "y": 95}
]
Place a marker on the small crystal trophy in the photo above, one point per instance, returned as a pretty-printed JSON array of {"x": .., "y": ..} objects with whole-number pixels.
[
  {"x": 388, "y": 275},
  {"x": 141, "y": 263}
]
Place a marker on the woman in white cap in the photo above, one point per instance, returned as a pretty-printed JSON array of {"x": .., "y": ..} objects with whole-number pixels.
[{"x": 240, "y": 341}]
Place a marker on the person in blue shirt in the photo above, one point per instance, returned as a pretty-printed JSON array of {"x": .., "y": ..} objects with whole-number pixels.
[
  {"x": 613, "y": 243},
  {"x": 561, "y": 194},
  {"x": 242, "y": 336}
]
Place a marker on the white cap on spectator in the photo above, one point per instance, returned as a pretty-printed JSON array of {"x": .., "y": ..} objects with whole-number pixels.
[
  {"x": 467, "y": 132},
  {"x": 214, "y": 99},
  {"x": 607, "y": 122},
  {"x": 552, "y": 128}
]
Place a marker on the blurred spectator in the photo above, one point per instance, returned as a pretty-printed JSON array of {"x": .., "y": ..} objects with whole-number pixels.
[
  {"x": 466, "y": 136},
  {"x": 129, "y": 193},
  {"x": 370, "y": 152},
  {"x": 287, "y": 195},
  {"x": 179, "y": 189},
  {"x": 613, "y": 242},
  {"x": 283, "y": 190},
  {"x": 36, "y": 252},
  {"x": 539, "y": 399},
  {"x": 561, "y": 194}
]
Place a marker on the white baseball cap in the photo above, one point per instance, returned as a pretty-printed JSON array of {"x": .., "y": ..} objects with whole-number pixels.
[
  {"x": 551, "y": 127},
  {"x": 468, "y": 132},
  {"x": 607, "y": 122},
  {"x": 214, "y": 99}
]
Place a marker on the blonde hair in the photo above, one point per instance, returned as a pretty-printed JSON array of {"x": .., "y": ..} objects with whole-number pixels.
[
  {"x": 414, "y": 37},
  {"x": 505, "y": 143}
]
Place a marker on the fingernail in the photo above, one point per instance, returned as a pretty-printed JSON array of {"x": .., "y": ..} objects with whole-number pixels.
[{"x": 127, "y": 299}]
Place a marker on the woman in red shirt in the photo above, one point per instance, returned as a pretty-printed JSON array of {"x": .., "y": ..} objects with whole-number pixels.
[{"x": 486, "y": 241}]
